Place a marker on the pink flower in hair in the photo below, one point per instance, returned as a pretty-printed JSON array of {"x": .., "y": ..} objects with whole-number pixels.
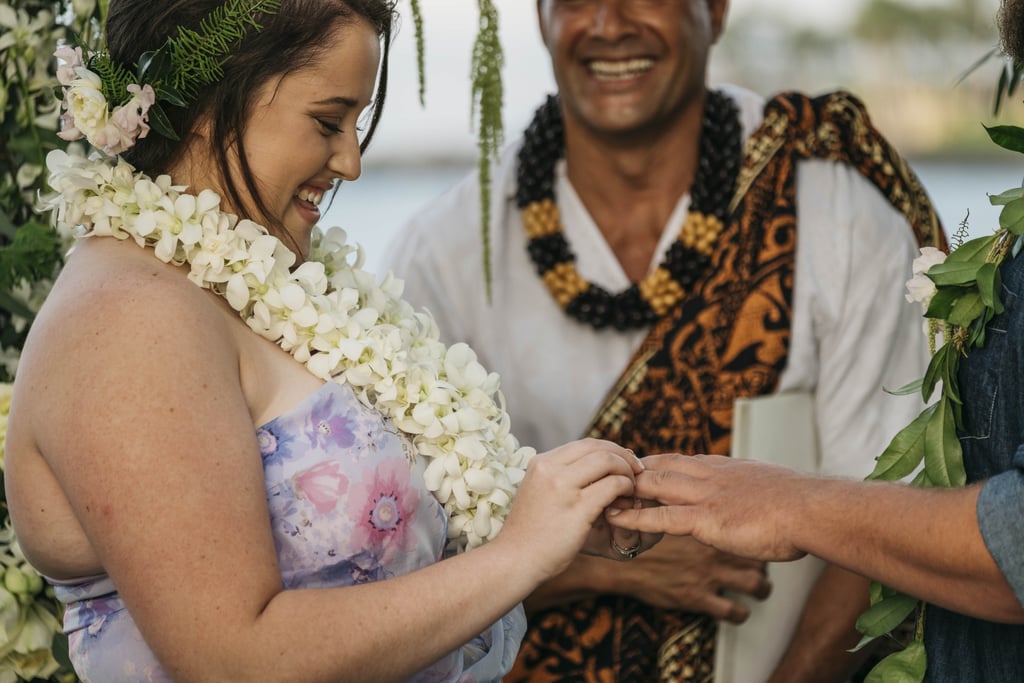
[
  {"x": 131, "y": 118},
  {"x": 67, "y": 59}
]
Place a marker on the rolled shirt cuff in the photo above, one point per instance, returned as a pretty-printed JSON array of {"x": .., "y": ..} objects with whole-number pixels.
[{"x": 1000, "y": 511}]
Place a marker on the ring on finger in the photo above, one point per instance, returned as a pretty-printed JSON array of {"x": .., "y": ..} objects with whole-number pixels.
[{"x": 627, "y": 553}]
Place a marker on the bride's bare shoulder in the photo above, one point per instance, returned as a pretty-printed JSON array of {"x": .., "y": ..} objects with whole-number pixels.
[
  {"x": 115, "y": 300},
  {"x": 112, "y": 283}
]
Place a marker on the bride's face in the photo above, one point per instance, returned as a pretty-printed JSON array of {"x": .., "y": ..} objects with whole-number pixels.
[{"x": 302, "y": 134}]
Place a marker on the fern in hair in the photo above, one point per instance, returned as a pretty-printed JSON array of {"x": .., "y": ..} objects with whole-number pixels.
[
  {"x": 115, "y": 78},
  {"x": 198, "y": 56},
  {"x": 487, "y": 89}
]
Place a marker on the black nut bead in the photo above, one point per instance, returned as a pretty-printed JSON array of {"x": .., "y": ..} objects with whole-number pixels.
[{"x": 718, "y": 164}]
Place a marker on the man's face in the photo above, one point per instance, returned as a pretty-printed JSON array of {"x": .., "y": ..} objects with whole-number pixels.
[{"x": 629, "y": 66}]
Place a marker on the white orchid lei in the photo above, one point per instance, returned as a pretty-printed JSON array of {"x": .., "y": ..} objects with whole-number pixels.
[{"x": 329, "y": 315}]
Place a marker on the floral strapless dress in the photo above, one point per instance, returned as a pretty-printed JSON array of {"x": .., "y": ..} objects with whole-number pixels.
[{"x": 346, "y": 507}]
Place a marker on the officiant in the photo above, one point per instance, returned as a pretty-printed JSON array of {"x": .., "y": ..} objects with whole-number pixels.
[{"x": 662, "y": 247}]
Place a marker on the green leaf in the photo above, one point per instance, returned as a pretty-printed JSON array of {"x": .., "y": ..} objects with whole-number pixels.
[
  {"x": 906, "y": 450},
  {"x": 922, "y": 481},
  {"x": 942, "y": 302},
  {"x": 1007, "y": 137},
  {"x": 169, "y": 94},
  {"x": 1012, "y": 217},
  {"x": 980, "y": 328},
  {"x": 12, "y": 305},
  {"x": 1006, "y": 196},
  {"x": 31, "y": 255},
  {"x": 966, "y": 309},
  {"x": 158, "y": 119},
  {"x": 7, "y": 226},
  {"x": 1017, "y": 71},
  {"x": 989, "y": 284},
  {"x": 879, "y": 591},
  {"x": 955, "y": 273},
  {"x": 59, "y": 645},
  {"x": 154, "y": 65},
  {"x": 943, "y": 457},
  {"x": 906, "y": 389},
  {"x": 906, "y": 666},
  {"x": 950, "y": 379},
  {"x": 1001, "y": 87},
  {"x": 973, "y": 250},
  {"x": 886, "y": 615},
  {"x": 933, "y": 374},
  {"x": 864, "y": 641}
]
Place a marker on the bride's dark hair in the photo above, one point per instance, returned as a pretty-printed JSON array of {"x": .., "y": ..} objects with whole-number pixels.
[{"x": 295, "y": 37}]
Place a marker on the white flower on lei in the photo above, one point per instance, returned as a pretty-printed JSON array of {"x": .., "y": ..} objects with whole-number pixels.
[
  {"x": 920, "y": 288},
  {"x": 329, "y": 315}
]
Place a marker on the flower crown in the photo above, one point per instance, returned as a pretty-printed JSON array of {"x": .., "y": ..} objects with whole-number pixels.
[{"x": 111, "y": 107}]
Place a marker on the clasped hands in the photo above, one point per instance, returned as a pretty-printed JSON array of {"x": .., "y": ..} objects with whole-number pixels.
[
  {"x": 731, "y": 505},
  {"x": 716, "y": 513},
  {"x": 583, "y": 497}
]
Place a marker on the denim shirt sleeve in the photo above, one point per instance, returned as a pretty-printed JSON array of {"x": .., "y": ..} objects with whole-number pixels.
[{"x": 1000, "y": 511}]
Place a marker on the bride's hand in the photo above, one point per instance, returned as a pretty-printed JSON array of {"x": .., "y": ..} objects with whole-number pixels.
[{"x": 564, "y": 493}]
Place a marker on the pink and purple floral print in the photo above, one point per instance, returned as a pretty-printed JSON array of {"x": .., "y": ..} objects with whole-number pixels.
[{"x": 345, "y": 507}]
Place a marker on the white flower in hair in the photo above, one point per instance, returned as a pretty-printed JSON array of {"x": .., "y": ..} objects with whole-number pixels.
[{"x": 86, "y": 106}]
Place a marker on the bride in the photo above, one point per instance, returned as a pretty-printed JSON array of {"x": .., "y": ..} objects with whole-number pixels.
[{"x": 257, "y": 478}]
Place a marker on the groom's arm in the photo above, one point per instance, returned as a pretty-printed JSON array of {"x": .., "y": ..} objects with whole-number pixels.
[{"x": 923, "y": 542}]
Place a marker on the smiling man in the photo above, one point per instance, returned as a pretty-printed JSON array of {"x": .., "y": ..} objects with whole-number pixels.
[{"x": 663, "y": 247}]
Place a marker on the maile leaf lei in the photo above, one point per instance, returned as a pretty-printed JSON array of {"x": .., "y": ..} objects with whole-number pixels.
[{"x": 964, "y": 300}]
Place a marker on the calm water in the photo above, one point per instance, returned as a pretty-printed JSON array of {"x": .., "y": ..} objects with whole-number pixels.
[{"x": 376, "y": 206}]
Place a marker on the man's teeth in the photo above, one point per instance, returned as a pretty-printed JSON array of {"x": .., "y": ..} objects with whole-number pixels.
[
  {"x": 627, "y": 68},
  {"x": 314, "y": 197}
]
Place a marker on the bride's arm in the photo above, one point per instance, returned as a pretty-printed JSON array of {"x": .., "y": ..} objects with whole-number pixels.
[{"x": 140, "y": 414}]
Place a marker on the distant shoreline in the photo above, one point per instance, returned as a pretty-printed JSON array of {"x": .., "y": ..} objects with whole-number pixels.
[{"x": 990, "y": 156}]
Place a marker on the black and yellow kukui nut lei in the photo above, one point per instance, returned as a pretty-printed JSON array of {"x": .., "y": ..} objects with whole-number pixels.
[{"x": 687, "y": 258}]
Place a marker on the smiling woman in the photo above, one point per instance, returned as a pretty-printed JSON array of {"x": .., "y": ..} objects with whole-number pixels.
[
  {"x": 287, "y": 444},
  {"x": 321, "y": 107}
]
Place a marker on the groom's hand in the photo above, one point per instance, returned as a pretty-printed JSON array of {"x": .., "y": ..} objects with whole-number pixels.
[{"x": 732, "y": 505}]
